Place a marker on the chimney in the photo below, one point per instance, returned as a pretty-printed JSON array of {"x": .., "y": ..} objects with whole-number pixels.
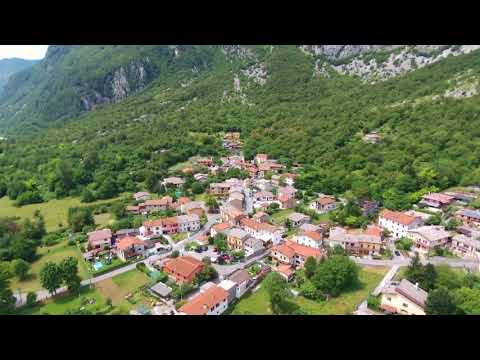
[{"x": 416, "y": 286}]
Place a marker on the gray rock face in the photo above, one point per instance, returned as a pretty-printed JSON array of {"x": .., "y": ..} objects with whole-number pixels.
[
  {"x": 336, "y": 52},
  {"x": 116, "y": 86}
]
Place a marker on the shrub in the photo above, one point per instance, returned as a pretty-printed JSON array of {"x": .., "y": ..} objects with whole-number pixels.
[
  {"x": 373, "y": 302},
  {"x": 31, "y": 298},
  {"x": 175, "y": 254}
]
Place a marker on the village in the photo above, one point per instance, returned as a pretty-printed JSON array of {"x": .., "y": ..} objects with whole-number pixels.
[{"x": 214, "y": 247}]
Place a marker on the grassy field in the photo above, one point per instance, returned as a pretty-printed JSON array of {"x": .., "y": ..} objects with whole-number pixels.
[
  {"x": 280, "y": 216},
  {"x": 60, "y": 304},
  {"x": 102, "y": 220},
  {"x": 118, "y": 287},
  {"x": 179, "y": 237},
  {"x": 54, "y": 253},
  {"x": 54, "y": 211},
  {"x": 258, "y": 303},
  {"x": 115, "y": 289}
]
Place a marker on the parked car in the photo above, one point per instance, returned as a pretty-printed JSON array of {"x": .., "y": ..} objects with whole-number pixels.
[{"x": 397, "y": 253}]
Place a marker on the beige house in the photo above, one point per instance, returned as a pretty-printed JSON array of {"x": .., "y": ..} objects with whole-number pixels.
[{"x": 405, "y": 298}]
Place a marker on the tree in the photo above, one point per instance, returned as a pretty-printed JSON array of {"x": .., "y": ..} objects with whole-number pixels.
[
  {"x": 414, "y": 269},
  {"x": 20, "y": 268},
  {"x": 440, "y": 302},
  {"x": 452, "y": 224},
  {"x": 34, "y": 229},
  {"x": 279, "y": 295},
  {"x": 69, "y": 272},
  {"x": 87, "y": 196},
  {"x": 175, "y": 254},
  {"x": 336, "y": 250},
  {"x": 7, "y": 300},
  {"x": 220, "y": 242},
  {"x": 51, "y": 277},
  {"x": 468, "y": 301},
  {"x": 211, "y": 202},
  {"x": 429, "y": 277},
  {"x": 308, "y": 290},
  {"x": 197, "y": 188},
  {"x": 310, "y": 266},
  {"x": 78, "y": 218},
  {"x": 31, "y": 298},
  {"x": 447, "y": 278},
  {"x": 335, "y": 274},
  {"x": 404, "y": 243}
]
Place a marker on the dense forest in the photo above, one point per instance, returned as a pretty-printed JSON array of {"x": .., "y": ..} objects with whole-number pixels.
[{"x": 429, "y": 141}]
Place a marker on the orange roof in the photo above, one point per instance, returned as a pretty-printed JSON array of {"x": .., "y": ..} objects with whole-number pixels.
[
  {"x": 304, "y": 251},
  {"x": 313, "y": 235},
  {"x": 257, "y": 226},
  {"x": 202, "y": 303},
  {"x": 326, "y": 200},
  {"x": 184, "y": 265},
  {"x": 283, "y": 197},
  {"x": 183, "y": 200},
  {"x": 285, "y": 269},
  {"x": 221, "y": 226},
  {"x": 374, "y": 230},
  {"x": 397, "y": 217},
  {"x": 166, "y": 200},
  {"x": 260, "y": 214},
  {"x": 170, "y": 221},
  {"x": 284, "y": 249},
  {"x": 161, "y": 222},
  {"x": 128, "y": 241},
  {"x": 187, "y": 170}
]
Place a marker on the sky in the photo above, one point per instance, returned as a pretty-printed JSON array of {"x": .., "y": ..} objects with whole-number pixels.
[{"x": 30, "y": 52}]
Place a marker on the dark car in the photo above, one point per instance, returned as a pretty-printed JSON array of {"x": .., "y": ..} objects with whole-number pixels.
[
  {"x": 397, "y": 253},
  {"x": 198, "y": 249}
]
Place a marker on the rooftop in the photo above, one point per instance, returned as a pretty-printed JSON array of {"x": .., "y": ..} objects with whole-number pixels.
[
  {"x": 240, "y": 276},
  {"x": 412, "y": 292},
  {"x": 127, "y": 242},
  {"x": 99, "y": 235},
  {"x": 431, "y": 233},
  {"x": 397, "y": 217},
  {"x": 202, "y": 303},
  {"x": 295, "y": 217},
  {"x": 184, "y": 265}
]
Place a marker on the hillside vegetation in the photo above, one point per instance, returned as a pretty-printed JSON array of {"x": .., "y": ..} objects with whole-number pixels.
[{"x": 280, "y": 104}]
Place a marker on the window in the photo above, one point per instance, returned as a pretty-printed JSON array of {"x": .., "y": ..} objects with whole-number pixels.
[
  {"x": 389, "y": 298},
  {"x": 405, "y": 305}
]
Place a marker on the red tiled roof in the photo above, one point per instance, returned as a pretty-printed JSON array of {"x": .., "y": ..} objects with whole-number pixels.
[
  {"x": 166, "y": 200},
  {"x": 285, "y": 269},
  {"x": 284, "y": 249},
  {"x": 326, "y": 200},
  {"x": 304, "y": 251},
  {"x": 313, "y": 235},
  {"x": 128, "y": 241},
  {"x": 183, "y": 200},
  {"x": 374, "y": 230},
  {"x": 441, "y": 198},
  {"x": 257, "y": 226},
  {"x": 397, "y": 217},
  {"x": 221, "y": 226},
  {"x": 184, "y": 265},
  {"x": 202, "y": 303},
  {"x": 99, "y": 235}
]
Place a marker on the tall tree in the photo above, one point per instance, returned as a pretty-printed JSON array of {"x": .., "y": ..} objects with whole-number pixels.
[
  {"x": 310, "y": 266},
  {"x": 69, "y": 270},
  {"x": 335, "y": 274},
  {"x": 7, "y": 300},
  {"x": 279, "y": 295},
  {"x": 51, "y": 277},
  {"x": 440, "y": 302},
  {"x": 20, "y": 268}
]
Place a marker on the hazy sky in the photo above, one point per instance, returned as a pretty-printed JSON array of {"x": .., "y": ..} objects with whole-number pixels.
[{"x": 23, "y": 51}]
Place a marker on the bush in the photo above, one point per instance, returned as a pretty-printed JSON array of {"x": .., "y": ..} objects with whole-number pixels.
[
  {"x": 404, "y": 244},
  {"x": 31, "y": 298},
  {"x": 373, "y": 302},
  {"x": 141, "y": 267},
  {"x": 71, "y": 242},
  {"x": 175, "y": 254}
]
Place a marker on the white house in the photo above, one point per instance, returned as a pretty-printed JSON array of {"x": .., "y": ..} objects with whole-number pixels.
[
  {"x": 213, "y": 301},
  {"x": 266, "y": 232},
  {"x": 311, "y": 239},
  {"x": 397, "y": 223},
  {"x": 427, "y": 237},
  {"x": 242, "y": 280},
  {"x": 252, "y": 246},
  {"x": 188, "y": 223}
]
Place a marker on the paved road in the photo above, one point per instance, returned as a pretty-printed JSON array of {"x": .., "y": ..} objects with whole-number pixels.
[
  {"x": 472, "y": 264},
  {"x": 44, "y": 294}
]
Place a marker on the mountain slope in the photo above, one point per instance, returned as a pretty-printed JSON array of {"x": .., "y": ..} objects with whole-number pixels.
[
  {"x": 8, "y": 67},
  {"x": 427, "y": 119}
]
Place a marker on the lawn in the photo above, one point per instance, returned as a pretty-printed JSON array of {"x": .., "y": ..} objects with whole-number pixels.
[
  {"x": 258, "y": 303},
  {"x": 54, "y": 211},
  {"x": 118, "y": 287},
  {"x": 54, "y": 253},
  {"x": 280, "y": 216},
  {"x": 201, "y": 197},
  {"x": 103, "y": 220},
  {"x": 321, "y": 217},
  {"x": 179, "y": 237},
  {"x": 63, "y": 302}
]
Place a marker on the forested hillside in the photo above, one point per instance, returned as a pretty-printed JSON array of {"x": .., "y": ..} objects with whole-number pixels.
[
  {"x": 8, "y": 67},
  {"x": 275, "y": 95}
]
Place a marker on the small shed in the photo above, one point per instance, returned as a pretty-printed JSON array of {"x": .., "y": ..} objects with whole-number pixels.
[{"x": 161, "y": 289}]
